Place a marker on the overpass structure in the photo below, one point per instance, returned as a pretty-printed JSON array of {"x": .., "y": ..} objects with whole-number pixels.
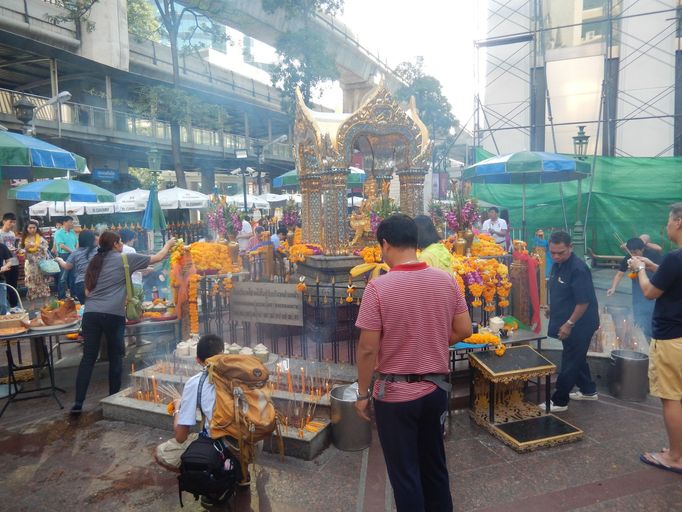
[{"x": 102, "y": 68}]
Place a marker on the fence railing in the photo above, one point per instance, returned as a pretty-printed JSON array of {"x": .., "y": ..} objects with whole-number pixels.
[{"x": 89, "y": 116}]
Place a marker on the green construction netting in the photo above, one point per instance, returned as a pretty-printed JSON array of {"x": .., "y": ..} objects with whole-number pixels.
[{"x": 630, "y": 196}]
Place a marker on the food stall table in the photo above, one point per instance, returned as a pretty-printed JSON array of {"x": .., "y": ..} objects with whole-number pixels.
[
  {"x": 497, "y": 399},
  {"x": 42, "y": 343}
]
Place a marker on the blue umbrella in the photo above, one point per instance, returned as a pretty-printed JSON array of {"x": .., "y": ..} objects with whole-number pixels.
[
  {"x": 23, "y": 157},
  {"x": 527, "y": 167},
  {"x": 61, "y": 190}
]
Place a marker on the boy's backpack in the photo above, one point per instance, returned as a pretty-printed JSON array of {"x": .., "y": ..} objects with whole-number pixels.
[
  {"x": 243, "y": 408},
  {"x": 207, "y": 468}
]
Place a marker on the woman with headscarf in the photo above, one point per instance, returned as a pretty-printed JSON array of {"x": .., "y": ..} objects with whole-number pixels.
[
  {"x": 433, "y": 252},
  {"x": 105, "y": 288},
  {"x": 79, "y": 260},
  {"x": 35, "y": 250}
]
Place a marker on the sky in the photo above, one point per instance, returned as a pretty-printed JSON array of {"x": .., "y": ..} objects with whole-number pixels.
[{"x": 441, "y": 31}]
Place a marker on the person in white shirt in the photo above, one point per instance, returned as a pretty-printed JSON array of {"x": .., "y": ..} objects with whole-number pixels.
[
  {"x": 128, "y": 239},
  {"x": 245, "y": 234},
  {"x": 495, "y": 227}
]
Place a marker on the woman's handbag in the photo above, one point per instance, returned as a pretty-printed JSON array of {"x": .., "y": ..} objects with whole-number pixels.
[
  {"x": 133, "y": 302},
  {"x": 49, "y": 266}
]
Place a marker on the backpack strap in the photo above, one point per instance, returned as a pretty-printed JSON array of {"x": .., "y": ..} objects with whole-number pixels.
[
  {"x": 126, "y": 271},
  {"x": 202, "y": 379}
]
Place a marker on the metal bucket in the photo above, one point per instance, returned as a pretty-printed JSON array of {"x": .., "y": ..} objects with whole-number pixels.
[
  {"x": 349, "y": 431},
  {"x": 628, "y": 375}
]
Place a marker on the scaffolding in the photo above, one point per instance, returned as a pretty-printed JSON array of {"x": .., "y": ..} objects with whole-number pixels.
[{"x": 627, "y": 54}]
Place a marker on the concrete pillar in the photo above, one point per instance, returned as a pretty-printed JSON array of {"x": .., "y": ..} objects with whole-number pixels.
[
  {"x": 354, "y": 94},
  {"x": 412, "y": 191},
  {"x": 246, "y": 129},
  {"x": 335, "y": 218},
  {"x": 108, "y": 44},
  {"x": 110, "y": 102},
  {"x": 269, "y": 129},
  {"x": 207, "y": 180},
  {"x": 311, "y": 208}
]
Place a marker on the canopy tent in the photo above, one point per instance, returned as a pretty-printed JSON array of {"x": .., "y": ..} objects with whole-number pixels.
[
  {"x": 356, "y": 177},
  {"x": 630, "y": 196},
  {"x": 174, "y": 198},
  {"x": 251, "y": 201},
  {"x": 23, "y": 157},
  {"x": 526, "y": 167}
]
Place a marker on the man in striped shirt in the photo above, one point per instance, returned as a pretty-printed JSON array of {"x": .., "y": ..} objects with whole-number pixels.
[{"x": 408, "y": 318}]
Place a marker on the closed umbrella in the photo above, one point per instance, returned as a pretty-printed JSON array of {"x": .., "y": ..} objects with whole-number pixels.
[
  {"x": 153, "y": 220},
  {"x": 23, "y": 157},
  {"x": 61, "y": 190}
]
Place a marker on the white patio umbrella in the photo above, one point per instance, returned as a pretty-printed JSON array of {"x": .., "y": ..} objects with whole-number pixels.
[
  {"x": 174, "y": 198},
  {"x": 272, "y": 198},
  {"x": 251, "y": 201},
  {"x": 132, "y": 201},
  {"x": 296, "y": 198},
  {"x": 355, "y": 200},
  {"x": 45, "y": 208}
]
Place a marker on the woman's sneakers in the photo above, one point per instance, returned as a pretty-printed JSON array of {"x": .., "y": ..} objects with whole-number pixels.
[
  {"x": 553, "y": 407},
  {"x": 577, "y": 395}
]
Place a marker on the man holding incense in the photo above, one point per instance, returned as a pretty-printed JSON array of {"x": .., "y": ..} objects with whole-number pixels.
[{"x": 665, "y": 349}]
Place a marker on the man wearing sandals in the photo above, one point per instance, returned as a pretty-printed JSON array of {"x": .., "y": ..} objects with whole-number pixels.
[{"x": 665, "y": 352}]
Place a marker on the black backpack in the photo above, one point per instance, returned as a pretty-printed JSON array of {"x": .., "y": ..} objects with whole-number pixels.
[{"x": 208, "y": 468}]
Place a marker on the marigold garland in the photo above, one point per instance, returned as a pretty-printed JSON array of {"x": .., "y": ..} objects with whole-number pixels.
[
  {"x": 193, "y": 303},
  {"x": 299, "y": 252},
  {"x": 209, "y": 256},
  {"x": 487, "y": 338}
]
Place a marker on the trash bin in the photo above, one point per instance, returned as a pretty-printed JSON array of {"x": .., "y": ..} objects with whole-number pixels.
[
  {"x": 349, "y": 431},
  {"x": 628, "y": 375}
]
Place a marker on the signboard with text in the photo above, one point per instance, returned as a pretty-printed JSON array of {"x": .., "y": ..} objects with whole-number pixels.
[
  {"x": 266, "y": 303},
  {"x": 108, "y": 175}
]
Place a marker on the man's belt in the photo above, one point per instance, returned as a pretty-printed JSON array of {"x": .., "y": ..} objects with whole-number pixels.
[{"x": 438, "y": 379}]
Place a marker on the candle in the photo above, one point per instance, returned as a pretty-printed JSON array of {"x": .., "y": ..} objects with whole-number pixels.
[
  {"x": 302, "y": 381},
  {"x": 155, "y": 395},
  {"x": 290, "y": 384}
]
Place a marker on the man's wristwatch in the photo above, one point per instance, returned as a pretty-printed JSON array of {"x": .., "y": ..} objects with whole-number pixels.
[
  {"x": 570, "y": 322},
  {"x": 366, "y": 396},
  {"x": 640, "y": 268}
]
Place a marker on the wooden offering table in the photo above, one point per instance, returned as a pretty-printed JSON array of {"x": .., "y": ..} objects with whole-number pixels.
[{"x": 497, "y": 399}]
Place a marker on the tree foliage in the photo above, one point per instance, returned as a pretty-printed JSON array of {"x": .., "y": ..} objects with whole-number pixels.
[
  {"x": 305, "y": 8},
  {"x": 303, "y": 61},
  {"x": 143, "y": 21},
  {"x": 175, "y": 105},
  {"x": 78, "y": 12},
  {"x": 434, "y": 108}
]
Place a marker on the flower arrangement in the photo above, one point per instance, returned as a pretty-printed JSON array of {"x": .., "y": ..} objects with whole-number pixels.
[
  {"x": 485, "y": 245},
  {"x": 484, "y": 279},
  {"x": 299, "y": 252},
  {"x": 382, "y": 209},
  {"x": 221, "y": 218},
  {"x": 373, "y": 264},
  {"x": 436, "y": 212},
  {"x": 193, "y": 303},
  {"x": 462, "y": 212},
  {"x": 371, "y": 254},
  {"x": 290, "y": 216}
]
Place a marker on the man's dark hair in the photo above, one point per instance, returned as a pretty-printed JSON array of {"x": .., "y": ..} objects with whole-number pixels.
[
  {"x": 560, "y": 237},
  {"x": 247, "y": 218},
  {"x": 283, "y": 231},
  {"x": 635, "y": 244},
  {"x": 66, "y": 219},
  {"x": 9, "y": 216},
  {"x": 676, "y": 210},
  {"x": 126, "y": 235},
  {"x": 398, "y": 230},
  {"x": 426, "y": 232},
  {"x": 259, "y": 229},
  {"x": 494, "y": 209},
  {"x": 209, "y": 345}
]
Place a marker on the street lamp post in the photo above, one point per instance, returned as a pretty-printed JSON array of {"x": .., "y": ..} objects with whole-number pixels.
[
  {"x": 580, "y": 142},
  {"x": 258, "y": 148},
  {"x": 25, "y": 111},
  {"x": 242, "y": 154}
]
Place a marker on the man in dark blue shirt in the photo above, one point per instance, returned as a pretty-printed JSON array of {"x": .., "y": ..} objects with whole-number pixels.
[
  {"x": 665, "y": 350},
  {"x": 573, "y": 318}
]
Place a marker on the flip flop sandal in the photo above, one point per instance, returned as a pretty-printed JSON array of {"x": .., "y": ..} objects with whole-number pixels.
[{"x": 652, "y": 460}]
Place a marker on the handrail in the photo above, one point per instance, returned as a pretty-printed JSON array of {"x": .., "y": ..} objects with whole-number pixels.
[{"x": 90, "y": 116}]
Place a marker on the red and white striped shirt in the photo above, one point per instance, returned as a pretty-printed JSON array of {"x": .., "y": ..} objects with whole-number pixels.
[{"x": 413, "y": 306}]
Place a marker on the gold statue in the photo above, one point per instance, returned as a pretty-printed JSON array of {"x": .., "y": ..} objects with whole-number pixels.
[{"x": 360, "y": 222}]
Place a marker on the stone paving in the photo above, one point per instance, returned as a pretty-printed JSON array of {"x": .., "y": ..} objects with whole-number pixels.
[{"x": 51, "y": 462}]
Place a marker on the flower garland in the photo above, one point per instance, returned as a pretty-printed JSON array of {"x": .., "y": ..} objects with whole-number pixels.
[
  {"x": 209, "y": 256},
  {"x": 487, "y": 338},
  {"x": 484, "y": 279},
  {"x": 299, "y": 252},
  {"x": 194, "y": 303},
  {"x": 373, "y": 263}
]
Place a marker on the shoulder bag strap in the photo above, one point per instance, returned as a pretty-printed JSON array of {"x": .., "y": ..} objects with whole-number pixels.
[
  {"x": 202, "y": 379},
  {"x": 126, "y": 271}
]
